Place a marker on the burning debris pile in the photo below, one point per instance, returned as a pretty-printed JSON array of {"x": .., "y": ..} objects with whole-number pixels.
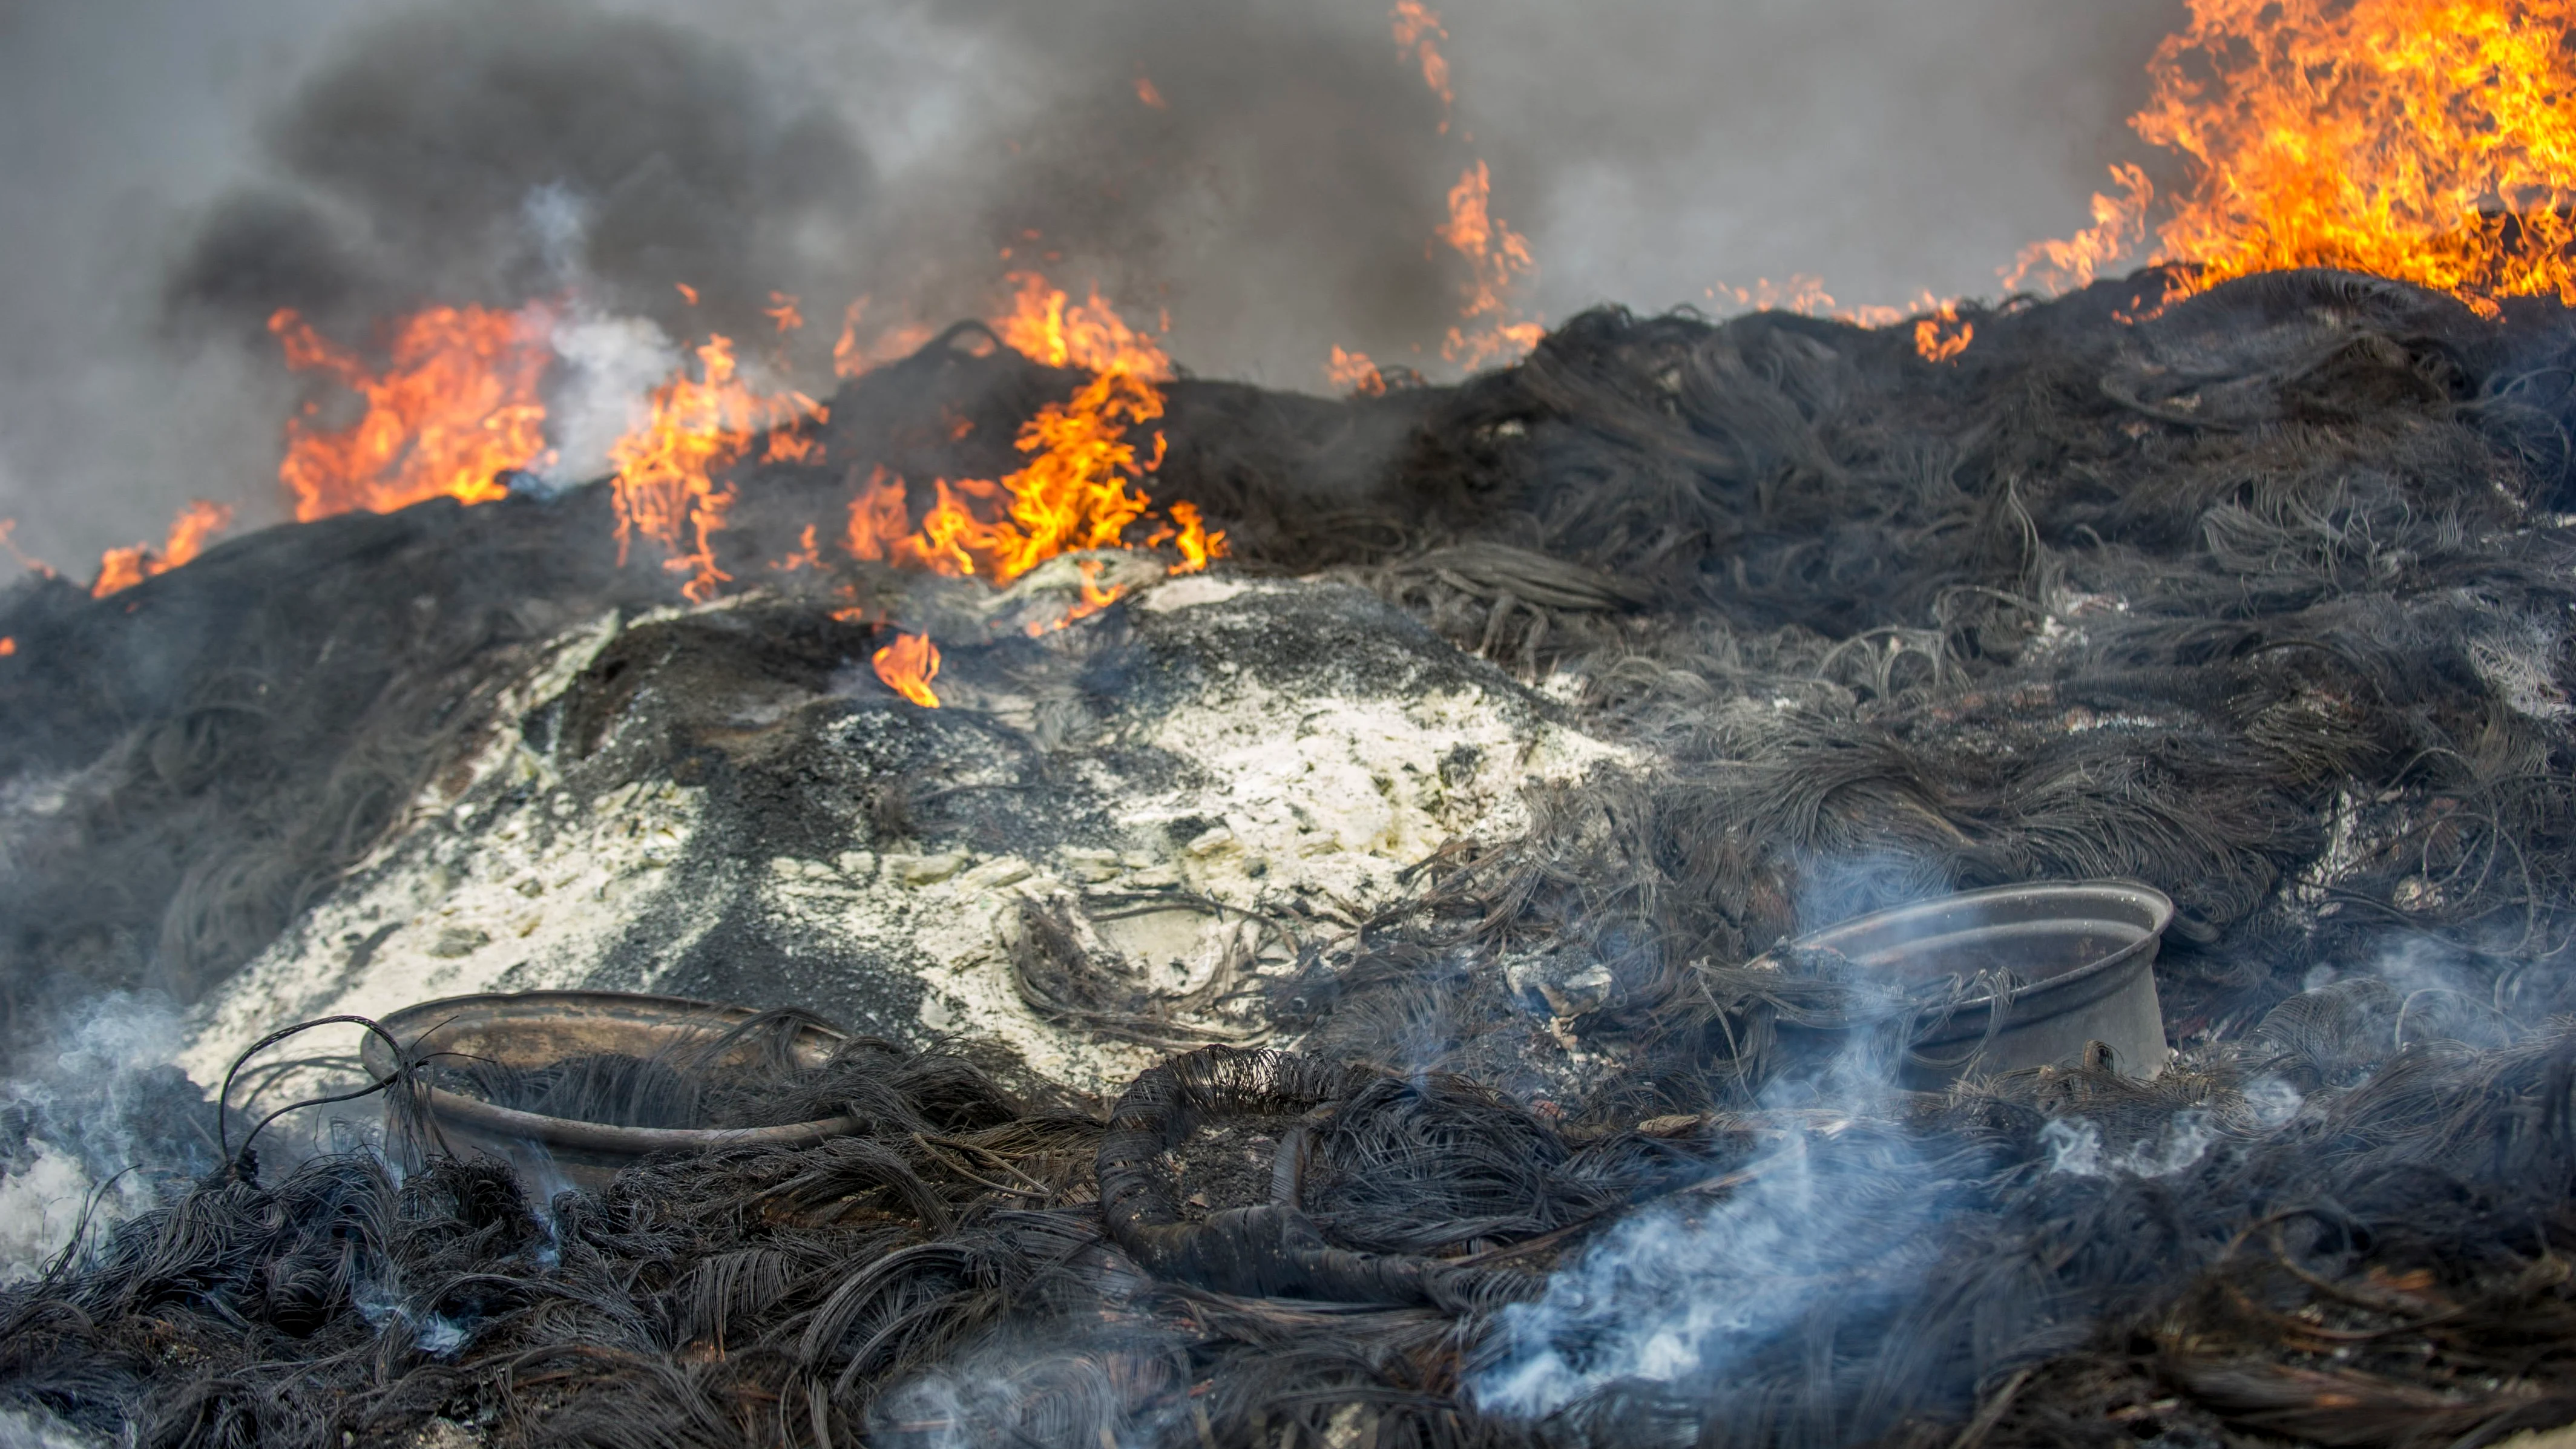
[
  {"x": 1268, "y": 920},
  {"x": 1322, "y": 996}
]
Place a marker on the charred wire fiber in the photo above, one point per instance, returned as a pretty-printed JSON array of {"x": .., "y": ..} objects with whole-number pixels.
[{"x": 2263, "y": 599}]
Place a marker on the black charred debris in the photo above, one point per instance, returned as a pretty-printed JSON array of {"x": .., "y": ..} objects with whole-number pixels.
[{"x": 2263, "y": 600}]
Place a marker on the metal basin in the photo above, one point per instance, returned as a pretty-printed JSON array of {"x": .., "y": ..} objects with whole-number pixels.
[
  {"x": 538, "y": 1028},
  {"x": 2083, "y": 952}
]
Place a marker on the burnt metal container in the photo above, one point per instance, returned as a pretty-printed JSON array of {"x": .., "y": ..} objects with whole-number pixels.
[
  {"x": 537, "y": 1028},
  {"x": 2081, "y": 952}
]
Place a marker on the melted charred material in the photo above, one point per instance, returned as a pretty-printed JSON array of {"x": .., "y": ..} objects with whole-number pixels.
[
  {"x": 2266, "y": 599},
  {"x": 1268, "y": 1249}
]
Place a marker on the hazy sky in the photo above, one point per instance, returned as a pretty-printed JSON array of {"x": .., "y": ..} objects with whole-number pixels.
[{"x": 171, "y": 169}]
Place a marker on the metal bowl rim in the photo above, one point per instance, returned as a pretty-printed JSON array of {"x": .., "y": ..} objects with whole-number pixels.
[
  {"x": 2160, "y": 908},
  {"x": 572, "y": 1132}
]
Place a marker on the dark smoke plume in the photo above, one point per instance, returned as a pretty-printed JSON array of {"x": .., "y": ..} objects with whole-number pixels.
[{"x": 181, "y": 171}]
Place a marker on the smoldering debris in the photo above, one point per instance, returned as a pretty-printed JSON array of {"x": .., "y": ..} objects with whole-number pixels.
[{"x": 2261, "y": 599}]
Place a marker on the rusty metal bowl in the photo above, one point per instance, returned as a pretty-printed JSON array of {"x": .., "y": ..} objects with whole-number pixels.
[
  {"x": 2083, "y": 953},
  {"x": 536, "y": 1028}
]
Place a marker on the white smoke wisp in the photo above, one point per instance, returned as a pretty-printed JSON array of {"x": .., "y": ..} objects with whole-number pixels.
[
  {"x": 2075, "y": 1146},
  {"x": 606, "y": 364},
  {"x": 38, "y": 1428},
  {"x": 73, "y": 1126},
  {"x": 1688, "y": 1289},
  {"x": 608, "y": 369}
]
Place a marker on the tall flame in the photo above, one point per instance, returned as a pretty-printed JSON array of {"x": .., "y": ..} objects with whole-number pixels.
[
  {"x": 1497, "y": 258},
  {"x": 456, "y": 408},
  {"x": 123, "y": 568},
  {"x": 2432, "y": 141},
  {"x": 667, "y": 485}
]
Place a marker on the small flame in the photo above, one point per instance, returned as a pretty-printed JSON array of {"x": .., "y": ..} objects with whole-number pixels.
[
  {"x": 688, "y": 293},
  {"x": 807, "y": 555},
  {"x": 8, "y": 646},
  {"x": 2432, "y": 141},
  {"x": 457, "y": 408},
  {"x": 666, "y": 484},
  {"x": 853, "y": 358},
  {"x": 1096, "y": 596},
  {"x": 1150, "y": 95},
  {"x": 879, "y": 525},
  {"x": 1353, "y": 372},
  {"x": 782, "y": 310},
  {"x": 1942, "y": 336},
  {"x": 123, "y": 568},
  {"x": 1417, "y": 28},
  {"x": 908, "y": 665},
  {"x": 9, "y": 526},
  {"x": 1196, "y": 543}
]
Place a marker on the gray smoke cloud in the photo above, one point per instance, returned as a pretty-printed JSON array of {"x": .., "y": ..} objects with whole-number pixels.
[{"x": 176, "y": 169}]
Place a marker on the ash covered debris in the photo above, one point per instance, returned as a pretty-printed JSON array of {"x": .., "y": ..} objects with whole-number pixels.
[{"x": 1530, "y": 714}]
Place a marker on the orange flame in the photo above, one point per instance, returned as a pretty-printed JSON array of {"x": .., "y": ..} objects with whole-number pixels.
[
  {"x": 123, "y": 568},
  {"x": 878, "y": 521},
  {"x": 666, "y": 484},
  {"x": 782, "y": 310},
  {"x": 1079, "y": 488},
  {"x": 1417, "y": 27},
  {"x": 1150, "y": 94},
  {"x": 1076, "y": 492},
  {"x": 806, "y": 555},
  {"x": 457, "y": 408},
  {"x": 1196, "y": 543},
  {"x": 2432, "y": 141},
  {"x": 8, "y": 646},
  {"x": 1354, "y": 372},
  {"x": 853, "y": 358},
  {"x": 1941, "y": 336},
  {"x": 1089, "y": 335},
  {"x": 1497, "y": 257},
  {"x": 908, "y": 665},
  {"x": 9, "y": 526}
]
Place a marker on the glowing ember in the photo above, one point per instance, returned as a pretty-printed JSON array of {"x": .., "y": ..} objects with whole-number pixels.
[
  {"x": 1354, "y": 372},
  {"x": 123, "y": 568},
  {"x": 667, "y": 487},
  {"x": 2432, "y": 141},
  {"x": 455, "y": 410},
  {"x": 1941, "y": 335},
  {"x": 1148, "y": 93},
  {"x": 8, "y": 646},
  {"x": 908, "y": 665}
]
